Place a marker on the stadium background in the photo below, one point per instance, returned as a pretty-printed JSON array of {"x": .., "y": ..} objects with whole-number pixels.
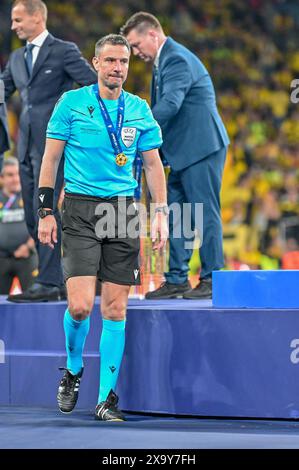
[{"x": 251, "y": 51}]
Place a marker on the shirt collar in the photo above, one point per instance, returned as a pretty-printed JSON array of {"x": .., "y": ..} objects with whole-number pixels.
[
  {"x": 156, "y": 61},
  {"x": 40, "y": 39}
]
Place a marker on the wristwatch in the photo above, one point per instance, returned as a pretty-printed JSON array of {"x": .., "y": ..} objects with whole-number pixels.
[
  {"x": 42, "y": 213},
  {"x": 163, "y": 209}
]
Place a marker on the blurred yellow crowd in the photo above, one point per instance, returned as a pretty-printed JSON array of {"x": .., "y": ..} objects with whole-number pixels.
[{"x": 251, "y": 51}]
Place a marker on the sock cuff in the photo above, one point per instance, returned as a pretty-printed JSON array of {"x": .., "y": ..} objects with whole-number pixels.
[
  {"x": 114, "y": 325},
  {"x": 68, "y": 317}
]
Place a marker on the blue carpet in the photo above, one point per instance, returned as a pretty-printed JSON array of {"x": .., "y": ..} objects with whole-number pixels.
[{"x": 37, "y": 428}]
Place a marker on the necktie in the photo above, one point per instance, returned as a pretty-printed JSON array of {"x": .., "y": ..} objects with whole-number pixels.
[{"x": 28, "y": 58}]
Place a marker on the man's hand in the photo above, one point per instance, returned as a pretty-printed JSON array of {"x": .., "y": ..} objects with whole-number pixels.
[
  {"x": 23, "y": 251},
  {"x": 47, "y": 231},
  {"x": 159, "y": 230}
]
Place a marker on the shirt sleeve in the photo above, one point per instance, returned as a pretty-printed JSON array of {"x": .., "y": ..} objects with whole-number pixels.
[
  {"x": 151, "y": 135},
  {"x": 59, "y": 125}
]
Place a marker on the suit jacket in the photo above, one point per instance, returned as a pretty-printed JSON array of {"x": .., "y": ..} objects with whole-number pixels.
[
  {"x": 184, "y": 104},
  {"x": 4, "y": 139},
  {"x": 59, "y": 64}
]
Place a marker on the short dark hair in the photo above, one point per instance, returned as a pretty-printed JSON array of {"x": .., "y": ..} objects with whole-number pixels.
[
  {"x": 114, "y": 39},
  {"x": 32, "y": 6},
  {"x": 140, "y": 21},
  {"x": 9, "y": 161}
]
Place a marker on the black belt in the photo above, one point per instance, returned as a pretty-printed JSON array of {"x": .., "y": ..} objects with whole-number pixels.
[{"x": 87, "y": 197}]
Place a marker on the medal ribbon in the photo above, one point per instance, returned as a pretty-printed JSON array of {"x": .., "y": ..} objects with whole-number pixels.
[{"x": 112, "y": 132}]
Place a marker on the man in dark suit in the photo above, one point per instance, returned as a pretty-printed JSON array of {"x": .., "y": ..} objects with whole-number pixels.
[
  {"x": 41, "y": 71},
  {"x": 4, "y": 139},
  {"x": 194, "y": 145}
]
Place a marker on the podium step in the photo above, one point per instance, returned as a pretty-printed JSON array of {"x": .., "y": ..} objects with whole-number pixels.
[{"x": 256, "y": 289}]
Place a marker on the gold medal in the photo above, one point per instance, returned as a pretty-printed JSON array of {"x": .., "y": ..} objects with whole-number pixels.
[{"x": 121, "y": 159}]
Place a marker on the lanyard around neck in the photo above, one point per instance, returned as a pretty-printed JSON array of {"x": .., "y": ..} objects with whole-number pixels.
[{"x": 113, "y": 133}]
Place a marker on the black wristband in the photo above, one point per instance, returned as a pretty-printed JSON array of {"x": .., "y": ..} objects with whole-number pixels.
[{"x": 45, "y": 198}]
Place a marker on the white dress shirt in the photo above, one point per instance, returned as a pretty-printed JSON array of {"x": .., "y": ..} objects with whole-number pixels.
[
  {"x": 38, "y": 42},
  {"x": 156, "y": 61}
]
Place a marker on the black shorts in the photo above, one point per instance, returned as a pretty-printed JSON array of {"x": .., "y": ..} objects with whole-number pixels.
[{"x": 100, "y": 237}]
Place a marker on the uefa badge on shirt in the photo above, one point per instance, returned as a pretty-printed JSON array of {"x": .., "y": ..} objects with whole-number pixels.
[
  {"x": 128, "y": 135},
  {"x": 121, "y": 159}
]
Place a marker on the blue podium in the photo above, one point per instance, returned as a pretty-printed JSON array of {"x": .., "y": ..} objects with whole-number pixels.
[
  {"x": 256, "y": 289},
  {"x": 181, "y": 357}
]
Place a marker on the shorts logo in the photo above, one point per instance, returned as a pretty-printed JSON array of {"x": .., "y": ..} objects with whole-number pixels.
[
  {"x": 136, "y": 272},
  {"x": 128, "y": 135}
]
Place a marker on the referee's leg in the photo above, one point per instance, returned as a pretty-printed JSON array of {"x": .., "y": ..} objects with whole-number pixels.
[
  {"x": 114, "y": 300},
  {"x": 81, "y": 295}
]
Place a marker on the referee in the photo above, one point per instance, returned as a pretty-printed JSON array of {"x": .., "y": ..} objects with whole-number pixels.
[{"x": 100, "y": 128}]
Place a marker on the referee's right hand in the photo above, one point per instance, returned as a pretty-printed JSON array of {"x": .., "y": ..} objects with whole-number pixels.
[{"x": 47, "y": 231}]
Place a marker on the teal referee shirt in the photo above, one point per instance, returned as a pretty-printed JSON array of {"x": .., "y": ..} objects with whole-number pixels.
[{"x": 90, "y": 166}]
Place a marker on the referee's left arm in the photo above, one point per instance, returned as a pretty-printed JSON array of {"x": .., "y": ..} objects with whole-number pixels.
[{"x": 155, "y": 178}]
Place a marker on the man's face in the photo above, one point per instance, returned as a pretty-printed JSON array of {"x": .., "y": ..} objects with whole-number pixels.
[
  {"x": 11, "y": 179},
  {"x": 112, "y": 65},
  {"x": 144, "y": 45},
  {"x": 24, "y": 25}
]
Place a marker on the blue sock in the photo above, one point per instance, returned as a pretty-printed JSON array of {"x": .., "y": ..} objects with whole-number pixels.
[
  {"x": 112, "y": 347},
  {"x": 75, "y": 336}
]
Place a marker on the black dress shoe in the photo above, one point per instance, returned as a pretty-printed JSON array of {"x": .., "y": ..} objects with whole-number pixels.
[
  {"x": 36, "y": 293},
  {"x": 202, "y": 291},
  {"x": 168, "y": 291}
]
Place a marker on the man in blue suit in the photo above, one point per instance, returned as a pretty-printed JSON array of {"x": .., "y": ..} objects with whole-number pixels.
[
  {"x": 4, "y": 139},
  {"x": 41, "y": 71},
  {"x": 195, "y": 144}
]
